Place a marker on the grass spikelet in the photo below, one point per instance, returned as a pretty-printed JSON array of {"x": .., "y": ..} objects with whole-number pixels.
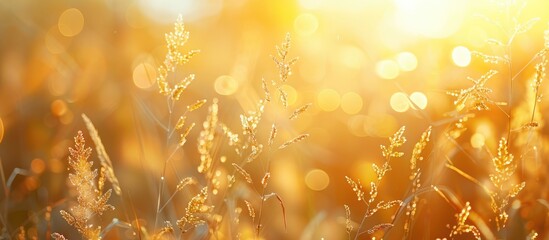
[
  {"x": 396, "y": 140},
  {"x": 387, "y": 205},
  {"x": 180, "y": 87},
  {"x": 348, "y": 225},
  {"x": 418, "y": 148},
  {"x": 184, "y": 182},
  {"x": 266, "y": 90},
  {"x": 490, "y": 58},
  {"x": 461, "y": 227},
  {"x": 234, "y": 139},
  {"x": 272, "y": 135},
  {"x": 532, "y": 236},
  {"x": 168, "y": 229},
  {"x": 251, "y": 210},
  {"x": 198, "y": 104},
  {"x": 294, "y": 140},
  {"x": 57, "y": 236},
  {"x": 475, "y": 97},
  {"x": 504, "y": 168},
  {"x": 183, "y": 136},
  {"x": 251, "y": 121},
  {"x": 283, "y": 97},
  {"x": 281, "y": 59},
  {"x": 104, "y": 158},
  {"x": 180, "y": 122},
  {"x": 378, "y": 227},
  {"x": 90, "y": 200},
  {"x": 195, "y": 212},
  {"x": 175, "y": 57},
  {"x": 388, "y": 152},
  {"x": 265, "y": 179},
  {"x": 525, "y": 27},
  {"x": 256, "y": 151},
  {"x": 207, "y": 135},
  {"x": 299, "y": 111},
  {"x": 243, "y": 172},
  {"x": 357, "y": 188},
  {"x": 415, "y": 174}
]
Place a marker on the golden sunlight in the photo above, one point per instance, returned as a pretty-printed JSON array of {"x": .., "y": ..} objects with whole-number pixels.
[{"x": 274, "y": 119}]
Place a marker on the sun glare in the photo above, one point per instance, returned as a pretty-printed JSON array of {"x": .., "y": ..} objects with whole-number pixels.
[{"x": 430, "y": 18}]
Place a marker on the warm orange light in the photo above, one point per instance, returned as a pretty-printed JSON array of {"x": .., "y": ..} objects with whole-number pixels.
[
  {"x": 407, "y": 61},
  {"x": 419, "y": 99},
  {"x": 317, "y": 180},
  {"x": 328, "y": 100},
  {"x": 387, "y": 69},
  {"x": 306, "y": 24},
  {"x": 430, "y": 18},
  {"x": 477, "y": 140},
  {"x": 226, "y": 85},
  {"x": 1, "y": 130},
  {"x": 144, "y": 75},
  {"x": 292, "y": 94},
  {"x": 351, "y": 103},
  {"x": 399, "y": 102},
  {"x": 71, "y": 22},
  {"x": 461, "y": 56},
  {"x": 38, "y": 166},
  {"x": 58, "y": 107}
]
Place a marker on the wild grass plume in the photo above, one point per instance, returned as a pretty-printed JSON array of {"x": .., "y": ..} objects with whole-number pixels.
[{"x": 414, "y": 119}]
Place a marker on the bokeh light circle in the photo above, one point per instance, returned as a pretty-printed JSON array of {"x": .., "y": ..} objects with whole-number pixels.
[
  {"x": 38, "y": 165},
  {"x": 387, "y": 69},
  {"x": 144, "y": 75},
  {"x": 419, "y": 99},
  {"x": 328, "y": 100},
  {"x": 461, "y": 56},
  {"x": 351, "y": 103},
  {"x": 306, "y": 24},
  {"x": 478, "y": 140},
  {"x": 59, "y": 108},
  {"x": 291, "y": 92},
  {"x": 407, "y": 61},
  {"x": 317, "y": 180},
  {"x": 70, "y": 22},
  {"x": 226, "y": 85},
  {"x": 399, "y": 102}
]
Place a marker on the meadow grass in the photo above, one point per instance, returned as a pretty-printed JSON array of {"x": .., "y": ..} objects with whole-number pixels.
[{"x": 226, "y": 189}]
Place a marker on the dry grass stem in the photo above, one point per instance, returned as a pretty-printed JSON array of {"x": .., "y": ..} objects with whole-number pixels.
[{"x": 104, "y": 158}]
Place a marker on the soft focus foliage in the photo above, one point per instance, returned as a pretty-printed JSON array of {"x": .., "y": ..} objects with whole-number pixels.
[{"x": 264, "y": 119}]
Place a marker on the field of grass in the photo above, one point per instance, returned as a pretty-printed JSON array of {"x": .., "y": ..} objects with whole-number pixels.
[{"x": 286, "y": 119}]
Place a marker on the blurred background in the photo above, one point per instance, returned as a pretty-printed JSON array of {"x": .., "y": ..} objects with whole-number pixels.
[{"x": 361, "y": 64}]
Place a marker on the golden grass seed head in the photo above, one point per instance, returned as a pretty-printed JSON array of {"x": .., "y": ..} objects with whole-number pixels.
[
  {"x": 198, "y": 104},
  {"x": 357, "y": 188},
  {"x": 294, "y": 140},
  {"x": 265, "y": 179},
  {"x": 348, "y": 224},
  {"x": 180, "y": 122},
  {"x": 266, "y": 90},
  {"x": 299, "y": 111},
  {"x": 251, "y": 210},
  {"x": 272, "y": 135},
  {"x": 243, "y": 172}
]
